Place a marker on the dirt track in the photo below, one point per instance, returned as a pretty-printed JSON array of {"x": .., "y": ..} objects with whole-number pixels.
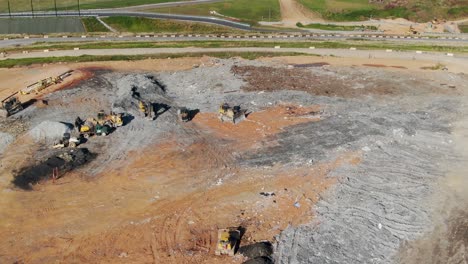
[{"x": 360, "y": 167}]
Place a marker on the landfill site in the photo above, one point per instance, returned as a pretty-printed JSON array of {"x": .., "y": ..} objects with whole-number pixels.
[{"x": 203, "y": 160}]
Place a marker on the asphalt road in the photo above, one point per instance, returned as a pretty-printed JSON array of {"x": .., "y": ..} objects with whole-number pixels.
[
  {"x": 382, "y": 54},
  {"x": 296, "y": 37},
  {"x": 108, "y": 12}
]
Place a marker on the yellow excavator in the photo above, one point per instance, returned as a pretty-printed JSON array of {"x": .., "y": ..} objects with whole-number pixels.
[{"x": 231, "y": 114}]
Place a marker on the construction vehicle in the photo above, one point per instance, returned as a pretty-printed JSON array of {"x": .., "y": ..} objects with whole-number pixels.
[
  {"x": 113, "y": 120},
  {"x": 231, "y": 114},
  {"x": 184, "y": 114},
  {"x": 228, "y": 241},
  {"x": 67, "y": 141},
  {"x": 44, "y": 83},
  {"x": 147, "y": 109},
  {"x": 10, "y": 105}
]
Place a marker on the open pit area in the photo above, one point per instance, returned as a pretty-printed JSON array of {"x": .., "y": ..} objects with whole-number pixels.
[{"x": 357, "y": 163}]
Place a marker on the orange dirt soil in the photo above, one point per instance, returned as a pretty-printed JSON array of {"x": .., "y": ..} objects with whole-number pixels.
[{"x": 165, "y": 202}]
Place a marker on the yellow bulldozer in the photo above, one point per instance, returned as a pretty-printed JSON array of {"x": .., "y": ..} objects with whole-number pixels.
[
  {"x": 44, "y": 83},
  {"x": 147, "y": 109},
  {"x": 231, "y": 114},
  {"x": 228, "y": 241}
]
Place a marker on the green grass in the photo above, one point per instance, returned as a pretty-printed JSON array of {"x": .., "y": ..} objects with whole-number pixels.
[
  {"x": 10, "y": 63},
  {"x": 363, "y": 45},
  {"x": 463, "y": 28},
  {"x": 336, "y": 27},
  {"x": 25, "y": 5},
  {"x": 249, "y": 11},
  {"x": 141, "y": 24},
  {"x": 91, "y": 24}
]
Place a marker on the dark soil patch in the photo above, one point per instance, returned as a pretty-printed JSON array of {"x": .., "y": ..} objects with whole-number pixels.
[
  {"x": 62, "y": 161},
  {"x": 307, "y": 65},
  {"x": 257, "y": 250},
  {"x": 276, "y": 79}
]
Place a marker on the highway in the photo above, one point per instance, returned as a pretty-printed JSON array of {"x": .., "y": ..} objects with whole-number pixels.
[{"x": 283, "y": 37}]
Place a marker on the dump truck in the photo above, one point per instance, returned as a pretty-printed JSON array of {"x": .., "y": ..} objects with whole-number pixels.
[
  {"x": 228, "y": 241},
  {"x": 10, "y": 105},
  {"x": 231, "y": 114},
  {"x": 44, "y": 83}
]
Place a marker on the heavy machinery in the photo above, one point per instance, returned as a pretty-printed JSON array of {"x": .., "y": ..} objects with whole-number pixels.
[
  {"x": 44, "y": 83},
  {"x": 184, "y": 114},
  {"x": 228, "y": 241},
  {"x": 67, "y": 141},
  {"x": 147, "y": 109},
  {"x": 112, "y": 119},
  {"x": 10, "y": 105},
  {"x": 91, "y": 127},
  {"x": 231, "y": 114}
]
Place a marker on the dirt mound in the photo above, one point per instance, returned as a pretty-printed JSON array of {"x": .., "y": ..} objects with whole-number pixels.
[
  {"x": 63, "y": 161},
  {"x": 48, "y": 131}
]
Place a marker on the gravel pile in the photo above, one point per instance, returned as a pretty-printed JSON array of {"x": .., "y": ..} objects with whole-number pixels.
[{"x": 49, "y": 131}]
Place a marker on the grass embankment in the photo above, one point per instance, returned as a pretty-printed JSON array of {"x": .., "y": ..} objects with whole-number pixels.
[
  {"x": 141, "y": 24},
  {"x": 9, "y": 63},
  {"x": 357, "y": 10},
  {"x": 91, "y": 24},
  {"x": 249, "y": 11},
  {"x": 43, "y": 5},
  {"x": 364, "y": 45},
  {"x": 336, "y": 27},
  {"x": 463, "y": 28}
]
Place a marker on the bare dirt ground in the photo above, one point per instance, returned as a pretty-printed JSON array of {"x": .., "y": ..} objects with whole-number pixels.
[
  {"x": 293, "y": 12},
  {"x": 353, "y": 155}
]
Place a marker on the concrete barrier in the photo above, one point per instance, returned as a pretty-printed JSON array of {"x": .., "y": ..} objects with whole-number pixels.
[
  {"x": 5, "y": 38},
  {"x": 147, "y": 36},
  {"x": 173, "y": 36},
  {"x": 389, "y": 50},
  {"x": 25, "y": 52},
  {"x": 120, "y": 36},
  {"x": 352, "y": 48},
  {"x": 83, "y": 36},
  {"x": 311, "y": 47},
  {"x": 419, "y": 52},
  {"x": 46, "y": 50},
  {"x": 137, "y": 36},
  {"x": 46, "y": 37},
  {"x": 76, "y": 48},
  {"x": 270, "y": 36},
  {"x": 26, "y": 37},
  {"x": 64, "y": 36},
  {"x": 277, "y": 47},
  {"x": 450, "y": 54}
]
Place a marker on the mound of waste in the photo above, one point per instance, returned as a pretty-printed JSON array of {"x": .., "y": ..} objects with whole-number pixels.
[
  {"x": 49, "y": 131},
  {"x": 61, "y": 161}
]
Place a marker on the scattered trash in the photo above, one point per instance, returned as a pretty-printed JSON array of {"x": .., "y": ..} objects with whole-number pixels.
[
  {"x": 267, "y": 194},
  {"x": 123, "y": 255},
  {"x": 297, "y": 204},
  {"x": 379, "y": 226}
]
